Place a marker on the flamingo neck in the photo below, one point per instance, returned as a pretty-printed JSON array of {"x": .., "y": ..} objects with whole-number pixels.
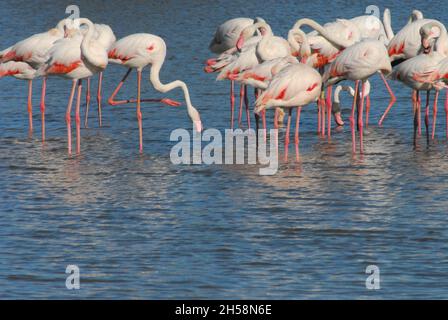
[{"x": 340, "y": 44}]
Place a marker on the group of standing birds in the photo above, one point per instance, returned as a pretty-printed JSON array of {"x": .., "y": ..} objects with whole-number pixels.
[
  {"x": 77, "y": 49},
  {"x": 292, "y": 72}
]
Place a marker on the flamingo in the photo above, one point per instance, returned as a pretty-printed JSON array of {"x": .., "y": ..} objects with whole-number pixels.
[
  {"x": 412, "y": 71},
  {"x": 357, "y": 63},
  {"x": 33, "y": 51},
  {"x": 136, "y": 51},
  {"x": 76, "y": 58},
  {"x": 224, "y": 44},
  {"x": 106, "y": 38},
  {"x": 293, "y": 87}
]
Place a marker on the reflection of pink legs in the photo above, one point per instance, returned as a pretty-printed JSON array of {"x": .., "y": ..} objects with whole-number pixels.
[
  {"x": 42, "y": 106},
  {"x": 78, "y": 118},
  {"x": 112, "y": 102},
  {"x": 68, "y": 118},
  {"x": 434, "y": 114},
  {"x": 391, "y": 102},
  {"x": 30, "y": 107}
]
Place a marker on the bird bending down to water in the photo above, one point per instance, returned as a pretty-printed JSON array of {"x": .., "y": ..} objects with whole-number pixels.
[{"x": 137, "y": 51}]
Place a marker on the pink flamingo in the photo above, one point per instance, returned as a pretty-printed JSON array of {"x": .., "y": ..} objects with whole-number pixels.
[
  {"x": 224, "y": 44},
  {"x": 136, "y": 52},
  {"x": 76, "y": 58},
  {"x": 294, "y": 87},
  {"x": 106, "y": 38},
  {"x": 33, "y": 51},
  {"x": 357, "y": 63}
]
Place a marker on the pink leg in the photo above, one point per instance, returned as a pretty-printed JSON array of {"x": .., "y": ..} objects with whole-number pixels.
[
  {"x": 287, "y": 134},
  {"x": 232, "y": 103},
  {"x": 246, "y": 102},
  {"x": 112, "y": 101},
  {"x": 30, "y": 107},
  {"x": 446, "y": 113},
  {"x": 99, "y": 98},
  {"x": 87, "y": 103},
  {"x": 323, "y": 117},
  {"x": 42, "y": 106},
  {"x": 263, "y": 117},
  {"x": 139, "y": 113},
  {"x": 367, "y": 110},
  {"x": 419, "y": 115},
  {"x": 78, "y": 118},
  {"x": 296, "y": 136},
  {"x": 68, "y": 117},
  {"x": 319, "y": 105},
  {"x": 434, "y": 115},
  {"x": 391, "y": 102},
  {"x": 240, "y": 112},
  {"x": 352, "y": 116},
  {"x": 329, "y": 106},
  {"x": 427, "y": 115},
  {"x": 360, "y": 120}
]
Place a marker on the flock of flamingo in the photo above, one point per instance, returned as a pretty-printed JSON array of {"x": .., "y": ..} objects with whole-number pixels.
[
  {"x": 285, "y": 73},
  {"x": 292, "y": 72}
]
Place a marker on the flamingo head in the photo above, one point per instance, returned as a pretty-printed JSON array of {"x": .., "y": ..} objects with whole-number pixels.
[{"x": 429, "y": 34}]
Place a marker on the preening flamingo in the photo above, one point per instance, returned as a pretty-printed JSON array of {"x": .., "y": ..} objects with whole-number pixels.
[
  {"x": 106, "y": 38},
  {"x": 357, "y": 63},
  {"x": 76, "y": 58},
  {"x": 294, "y": 87},
  {"x": 136, "y": 51}
]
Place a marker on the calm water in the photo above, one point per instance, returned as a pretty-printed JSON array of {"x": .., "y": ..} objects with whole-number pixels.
[{"x": 140, "y": 227}]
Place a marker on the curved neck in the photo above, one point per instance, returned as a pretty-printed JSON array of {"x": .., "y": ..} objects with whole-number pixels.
[
  {"x": 387, "y": 22},
  {"x": 341, "y": 44},
  {"x": 158, "y": 85},
  {"x": 299, "y": 47}
]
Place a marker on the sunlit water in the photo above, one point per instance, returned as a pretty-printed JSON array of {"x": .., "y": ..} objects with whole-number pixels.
[{"x": 141, "y": 227}]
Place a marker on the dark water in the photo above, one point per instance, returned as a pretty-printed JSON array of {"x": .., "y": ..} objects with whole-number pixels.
[{"x": 141, "y": 227}]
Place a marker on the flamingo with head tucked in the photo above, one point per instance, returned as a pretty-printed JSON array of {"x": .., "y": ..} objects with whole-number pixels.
[{"x": 137, "y": 51}]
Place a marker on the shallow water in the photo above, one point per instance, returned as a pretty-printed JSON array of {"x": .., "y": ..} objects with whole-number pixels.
[{"x": 140, "y": 227}]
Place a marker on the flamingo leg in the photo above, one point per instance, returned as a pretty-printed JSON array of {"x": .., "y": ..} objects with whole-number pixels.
[
  {"x": 329, "y": 107},
  {"x": 352, "y": 116},
  {"x": 232, "y": 103},
  {"x": 318, "y": 115},
  {"x": 99, "y": 98},
  {"x": 68, "y": 117},
  {"x": 42, "y": 106},
  {"x": 240, "y": 110},
  {"x": 257, "y": 127},
  {"x": 246, "y": 102},
  {"x": 296, "y": 136},
  {"x": 323, "y": 114},
  {"x": 30, "y": 108},
  {"x": 87, "y": 103},
  {"x": 367, "y": 110},
  {"x": 434, "y": 115},
  {"x": 78, "y": 118},
  {"x": 416, "y": 111},
  {"x": 446, "y": 113},
  {"x": 113, "y": 102},
  {"x": 427, "y": 116},
  {"x": 139, "y": 113},
  {"x": 391, "y": 101},
  {"x": 287, "y": 134},
  {"x": 360, "y": 119},
  {"x": 419, "y": 117}
]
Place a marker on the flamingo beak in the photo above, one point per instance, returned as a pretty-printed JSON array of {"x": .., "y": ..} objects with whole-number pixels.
[{"x": 240, "y": 43}]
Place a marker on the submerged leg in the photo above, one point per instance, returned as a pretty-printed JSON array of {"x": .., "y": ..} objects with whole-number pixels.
[{"x": 68, "y": 117}]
